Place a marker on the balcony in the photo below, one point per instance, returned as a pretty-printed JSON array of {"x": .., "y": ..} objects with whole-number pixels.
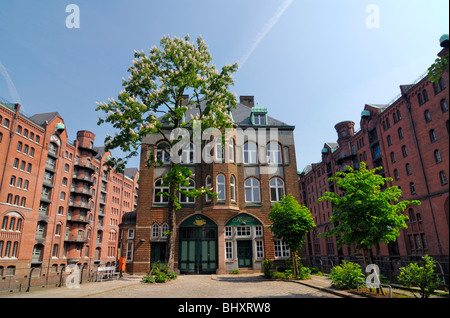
[
  {"x": 72, "y": 238},
  {"x": 78, "y": 218},
  {"x": 79, "y": 205}
]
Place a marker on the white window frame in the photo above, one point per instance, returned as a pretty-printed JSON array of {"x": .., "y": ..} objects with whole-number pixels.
[
  {"x": 276, "y": 184},
  {"x": 155, "y": 231},
  {"x": 250, "y": 153},
  {"x": 160, "y": 188},
  {"x": 281, "y": 250},
  {"x": 221, "y": 188},
  {"x": 186, "y": 199},
  {"x": 233, "y": 188},
  {"x": 259, "y": 244},
  {"x": 274, "y": 155},
  {"x": 253, "y": 185},
  {"x": 229, "y": 250}
]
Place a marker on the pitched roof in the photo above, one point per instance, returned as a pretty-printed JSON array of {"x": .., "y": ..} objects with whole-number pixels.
[{"x": 41, "y": 118}]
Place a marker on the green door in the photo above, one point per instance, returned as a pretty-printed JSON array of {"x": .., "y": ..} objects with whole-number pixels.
[
  {"x": 244, "y": 253},
  {"x": 198, "y": 250}
]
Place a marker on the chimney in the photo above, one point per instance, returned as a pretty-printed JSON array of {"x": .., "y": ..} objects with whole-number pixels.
[{"x": 248, "y": 101}]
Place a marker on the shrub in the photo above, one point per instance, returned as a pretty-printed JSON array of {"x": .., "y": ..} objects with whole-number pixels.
[
  {"x": 303, "y": 272},
  {"x": 267, "y": 268},
  {"x": 148, "y": 279},
  {"x": 420, "y": 276},
  {"x": 161, "y": 277},
  {"x": 346, "y": 275}
]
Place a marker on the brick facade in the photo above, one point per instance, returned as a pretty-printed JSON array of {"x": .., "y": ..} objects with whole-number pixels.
[
  {"x": 409, "y": 138},
  {"x": 231, "y": 226},
  {"x": 58, "y": 206}
]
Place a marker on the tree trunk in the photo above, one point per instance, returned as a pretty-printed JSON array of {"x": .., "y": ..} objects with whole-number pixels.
[
  {"x": 171, "y": 240},
  {"x": 294, "y": 263}
]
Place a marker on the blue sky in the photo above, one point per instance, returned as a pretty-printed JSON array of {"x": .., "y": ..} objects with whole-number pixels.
[{"x": 311, "y": 63}]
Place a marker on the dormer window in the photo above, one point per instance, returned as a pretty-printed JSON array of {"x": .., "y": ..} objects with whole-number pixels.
[{"x": 258, "y": 116}]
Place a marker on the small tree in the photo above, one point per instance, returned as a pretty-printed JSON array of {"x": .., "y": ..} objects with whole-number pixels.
[
  {"x": 153, "y": 102},
  {"x": 366, "y": 214},
  {"x": 290, "y": 222},
  {"x": 420, "y": 276}
]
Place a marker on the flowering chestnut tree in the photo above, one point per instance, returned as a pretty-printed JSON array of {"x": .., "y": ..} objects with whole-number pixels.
[{"x": 153, "y": 101}]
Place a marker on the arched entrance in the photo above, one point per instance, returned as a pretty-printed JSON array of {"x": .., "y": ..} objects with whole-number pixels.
[{"x": 198, "y": 246}]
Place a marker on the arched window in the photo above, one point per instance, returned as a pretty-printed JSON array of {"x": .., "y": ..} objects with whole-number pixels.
[
  {"x": 163, "y": 153},
  {"x": 231, "y": 150},
  {"x": 155, "y": 231},
  {"x": 160, "y": 188},
  {"x": 443, "y": 177},
  {"x": 404, "y": 151},
  {"x": 164, "y": 229},
  {"x": 412, "y": 187},
  {"x": 208, "y": 185},
  {"x": 183, "y": 197},
  {"x": 432, "y": 135},
  {"x": 444, "y": 105},
  {"x": 250, "y": 153},
  {"x": 220, "y": 187},
  {"x": 408, "y": 169},
  {"x": 187, "y": 154},
  {"x": 274, "y": 153},
  {"x": 427, "y": 116},
  {"x": 233, "y": 188},
  {"x": 252, "y": 190},
  {"x": 276, "y": 189},
  {"x": 437, "y": 156}
]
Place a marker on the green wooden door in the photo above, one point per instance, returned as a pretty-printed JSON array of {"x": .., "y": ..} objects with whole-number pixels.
[
  {"x": 198, "y": 250},
  {"x": 244, "y": 253}
]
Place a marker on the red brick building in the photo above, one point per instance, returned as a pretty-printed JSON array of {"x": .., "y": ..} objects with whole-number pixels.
[
  {"x": 230, "y": 232},
  {"x": 58, "y": 205},
  {"x": 409, "y": 138}
]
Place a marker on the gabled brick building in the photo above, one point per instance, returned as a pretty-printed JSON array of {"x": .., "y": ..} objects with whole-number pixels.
[
  {"x": 58, "y": 206},
  {"x": 409, "y": 138},
  {"x": 230, "y": 232}
]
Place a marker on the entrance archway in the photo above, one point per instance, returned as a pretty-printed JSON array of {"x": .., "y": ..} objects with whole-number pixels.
[{"x": 198, "y": 246}]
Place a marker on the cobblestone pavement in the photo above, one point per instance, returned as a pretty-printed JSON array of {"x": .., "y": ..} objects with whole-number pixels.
[{"x": 193, "y": 286}]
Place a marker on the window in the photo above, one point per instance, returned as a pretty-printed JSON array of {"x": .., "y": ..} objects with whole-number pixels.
[
  {"x": 276, "y": 189},
  {"x": 408, "y": 169},
  {"x": 396, "y": 176},
  {"x": 208, "y": 184},
  {"x": 281, "y": 249},
  {"x": 164, "y": 229},
  {"x": 243, "y": 231},
  {"x": 404, "y": 152},
  {"x": 220, "y": 186},
  {"x": 229, "y": 250},
  {"x": 400, "y": 133},
  {"x": 160, "y": 188},
  {"x": 412, "y": 188},
  {"x": 163, "y": 152},
  {"x": 389, "y": 140},
  {"x": 155, "y": 231},
  {"x": 231, "y": 150},
  {"x": 258, "y": 231},
  {"x": 252, "y": 193},
  {"x": 444, "y": 105},
  {"x": 183, "y": 197},
  {"x": 427, "y": 116},
  {"x": 392, "y": 157},
  {"x": 259, "y": 249},
  {"x": 250, "y": 153},
  {"x": 443, "y": 178},
  {"x": 274, "y": 153},
  {"x": 129, "y": 252},
  {"x": 259, "y": 119},
  {"x": 19, "y": 146},
  {"x": 437, "y": 156},
  {"x": 233, "y": 188},
  {"x": 228, "y": 231},
  {"x": 187, "y": 155},
  {"x": 219, "y": 151},
  {"x": 432, "y": 135}
]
